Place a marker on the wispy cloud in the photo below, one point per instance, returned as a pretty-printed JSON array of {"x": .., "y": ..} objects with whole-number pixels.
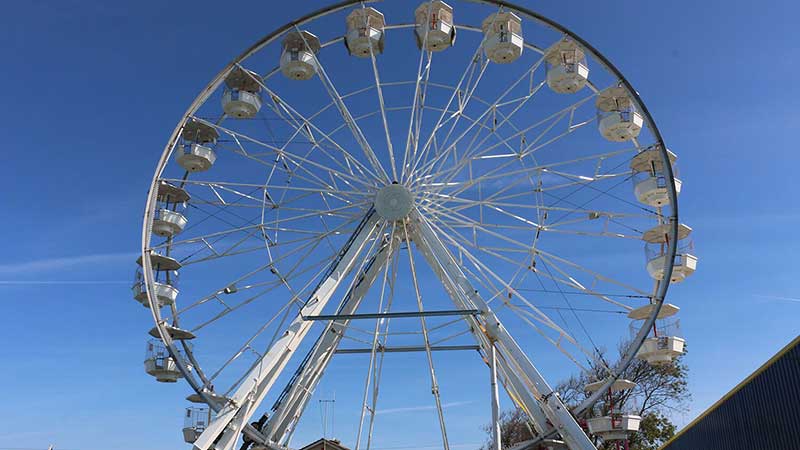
[
  {"x": 22, "y": 434},
  {"x": 778, "y": 297},
  {"x": 421, "y": 408},
  {"x": 64, "y": 262}
]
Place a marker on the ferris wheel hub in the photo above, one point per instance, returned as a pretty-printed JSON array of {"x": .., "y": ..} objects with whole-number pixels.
[{"x": 394, "y": 202}]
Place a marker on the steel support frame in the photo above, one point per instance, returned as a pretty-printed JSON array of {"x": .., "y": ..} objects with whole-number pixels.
[
  {"x": 394, "y": 315},
  {"x": 409, "y": 349},
  {"x": 496, "y": 432},
  {"x": 281, "y": 425},
  {"x": 513, "y": 385},
  {"x": 223, "y": 432},
  {"x": 528, "y": 386},
  {"x": 341, "y": 5}
]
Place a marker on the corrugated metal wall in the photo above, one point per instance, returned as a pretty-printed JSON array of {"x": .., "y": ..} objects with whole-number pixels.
[{"x": 763, "y": 414}]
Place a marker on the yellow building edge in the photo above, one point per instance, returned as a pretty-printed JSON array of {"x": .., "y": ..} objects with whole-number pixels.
[{"x": 736, "y": 389}]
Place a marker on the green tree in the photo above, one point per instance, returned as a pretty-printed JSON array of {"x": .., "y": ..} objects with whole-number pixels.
[
  {"x": 514, "y": 428},
  {"x": 659, "y": 391}
]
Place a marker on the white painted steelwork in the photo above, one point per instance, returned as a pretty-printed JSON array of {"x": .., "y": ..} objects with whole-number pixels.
[
  {"x": 496, "y": 425},
  {"x": 643, "y": 312},
  {"x": 284, "y": 419},
  {"x": 472, "y": 188},
  {"x": 618, "y": 385},
  {"x": 541, "y": 396},
  {"x": 224, "y": 430}
]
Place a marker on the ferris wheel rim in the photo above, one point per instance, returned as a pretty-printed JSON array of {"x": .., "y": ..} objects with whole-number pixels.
[{"x": 146, "y": 249}]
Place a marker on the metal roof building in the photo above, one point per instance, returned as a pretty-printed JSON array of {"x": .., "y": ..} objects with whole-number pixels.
[{"x": 762, "y": 412}]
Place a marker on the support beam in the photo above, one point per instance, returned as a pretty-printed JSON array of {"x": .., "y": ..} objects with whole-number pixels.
[
  {"x": 495, "y": 399},
  {"x": 406, "y": 349},
  {"x": 290, "y": 407},
  {"x": 394, "y": 315},
  {"x": 348, "y": 118},
  {"x": 514, "y": 386},
  {"x": 223, "y": 432},
  {"x": 537, "y": 393}
]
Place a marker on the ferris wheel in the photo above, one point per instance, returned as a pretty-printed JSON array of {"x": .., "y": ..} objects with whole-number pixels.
[{"x": 361, "y": 182}]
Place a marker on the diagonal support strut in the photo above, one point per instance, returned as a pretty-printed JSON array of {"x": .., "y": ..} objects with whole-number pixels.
[
  {"x": 288, "y": 411},
  {"x": 528, "y": 386},
  {"x": 223, "y": 431}
]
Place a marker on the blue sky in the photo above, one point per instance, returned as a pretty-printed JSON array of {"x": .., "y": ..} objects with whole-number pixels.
[{"x": 93, "y": 91}]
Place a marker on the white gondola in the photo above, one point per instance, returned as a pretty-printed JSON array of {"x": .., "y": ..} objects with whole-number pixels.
[
  {"x": 567, "y": 71},
  {"x": 165, "y": 270},
  {"x": 166, "y": 290},
  {"x": 661, "y": 349},
  {"x": 617, "y": 117},
  {"x": 194, "y": 423},
  {"x": 615, "y": 426},
  {"x": 196, "y": 150},
  {"x": 160, "y": 364},
  {"x": 502, "y": 41},
  {"x": 241, "y": 98},
  {"x": 649, "y": 177},
  {"x": 434, "y": 26},
  {"x": 365, "y": 32},
  {"x": 656, "y": 245},
  {"x": 664, "y": 346},
  {"x": 167, "y": 221},
  {"x": 298, "y": 55}
]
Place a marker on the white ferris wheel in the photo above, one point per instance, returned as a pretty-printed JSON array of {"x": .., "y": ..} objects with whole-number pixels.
[{"x": 359, "y": 185}]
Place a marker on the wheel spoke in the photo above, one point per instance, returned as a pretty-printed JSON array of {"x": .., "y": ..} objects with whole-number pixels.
[
  {"x": 414, "y": 158},
  {"x": 348, "y": 117},
  {"x": 426, "y": 339},
  {"x": 428, "y": 165},
  {"x": 540, "y": 316}
]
